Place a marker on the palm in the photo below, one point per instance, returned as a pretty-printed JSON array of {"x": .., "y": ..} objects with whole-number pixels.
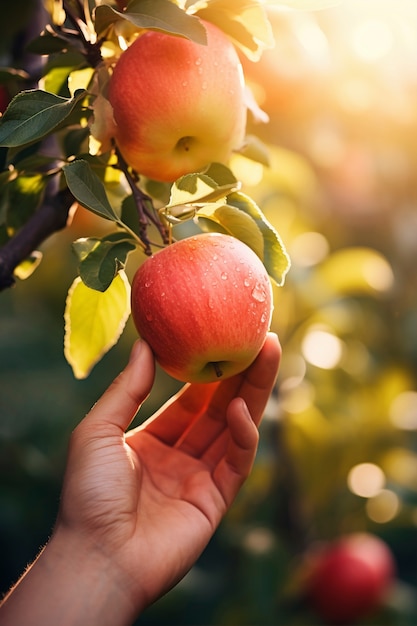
[{"x": 154, "y": 496}]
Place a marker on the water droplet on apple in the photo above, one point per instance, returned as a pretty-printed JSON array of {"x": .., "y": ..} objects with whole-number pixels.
[
  {"x": 215, "y": 257},
  {"x": 246, "y": 282},
  {"x": 185, "y": 83},
  {"x": 258, "y": 293},
  {"x": 224, "y": 276},
  {"x": 263, "y": 318},
  {"x": 198, "y": 61}
]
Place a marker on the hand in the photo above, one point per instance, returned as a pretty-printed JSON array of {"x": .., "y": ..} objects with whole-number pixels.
[{"x": 144, "y": 504}]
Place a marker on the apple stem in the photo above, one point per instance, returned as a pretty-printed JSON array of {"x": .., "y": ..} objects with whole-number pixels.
[
  {"x": 144, "y": 204},
  {"x": 217, "y": 369}
]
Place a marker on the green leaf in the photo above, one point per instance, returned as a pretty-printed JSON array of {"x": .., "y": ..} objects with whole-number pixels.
[
  {"x": 101, "y": 259},
  {"x": 193, "y": 189},
  {"x": 161, "y": 15},
  {"x": 94, "y": 321},
  {"x": 234, "y": 222},
  {"x": 275, "y": 257},
  {"x": 25, "y": 196},
  {"x": 48, "y": 42},
  {"x": 88, "y": 189},
  {"x": 245, "y": 21},
  {"x": 34, "y": 114}
]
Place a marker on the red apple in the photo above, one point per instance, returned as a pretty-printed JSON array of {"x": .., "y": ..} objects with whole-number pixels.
[
  {"x": 349, "y": 578},
  {"x": 178, "y": 105},
  {"x": 204, "y": 305}
]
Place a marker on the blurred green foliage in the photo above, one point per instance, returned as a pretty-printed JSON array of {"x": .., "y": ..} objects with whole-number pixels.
[{"x": 341, "y": 191}]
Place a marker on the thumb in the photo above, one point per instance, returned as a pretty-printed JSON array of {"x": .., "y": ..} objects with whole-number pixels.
[{"x": 121, "y": 401}]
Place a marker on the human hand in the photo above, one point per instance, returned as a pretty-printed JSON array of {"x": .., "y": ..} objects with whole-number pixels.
[
  {"x": 138, "y": 507},
  {"x": 153, "y": 497}
]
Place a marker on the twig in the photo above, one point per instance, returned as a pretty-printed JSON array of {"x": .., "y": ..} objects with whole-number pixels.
[
  {"x": 51, "y": 217},
  {"x": 142, "y": 201}
]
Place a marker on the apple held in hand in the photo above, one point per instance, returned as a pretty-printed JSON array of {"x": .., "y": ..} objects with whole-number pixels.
[
  {"x": 178, "y": 105},
  {"x": 349, "y": 578},
  {"x": 204, "y": 305}
]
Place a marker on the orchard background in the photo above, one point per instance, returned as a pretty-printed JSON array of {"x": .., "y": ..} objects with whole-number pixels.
[{"x": 338, "y": 450}]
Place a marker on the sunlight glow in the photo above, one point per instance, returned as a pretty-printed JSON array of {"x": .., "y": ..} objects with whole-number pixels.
[
  {"x": 366, "y": 480},
  {"x": 383, "y": 507},
  {"x": 322, "y": 349},
  {"x": 403, "y": 411},
  {"x": 372, "y": 40}
]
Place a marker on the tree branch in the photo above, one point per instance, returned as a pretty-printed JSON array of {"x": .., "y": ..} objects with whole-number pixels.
[{"x": 51, "y": 217}]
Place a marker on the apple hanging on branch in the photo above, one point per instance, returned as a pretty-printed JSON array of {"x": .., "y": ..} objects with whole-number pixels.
[
  {"x": 178, "y": 105},
  {"x": 204, "y": 305},
  {"x": 153, "y": 92}
]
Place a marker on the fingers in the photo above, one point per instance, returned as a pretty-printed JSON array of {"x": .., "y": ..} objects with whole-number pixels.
[
  {"x": 254, "y": 386},
  {"x": 236, "y": 464},
  {"x": 119, "y": 404},
  {"x": 257, "y": 384}
]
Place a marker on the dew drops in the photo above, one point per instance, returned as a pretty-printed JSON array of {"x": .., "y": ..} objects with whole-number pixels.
[
  {"x": 224, "y": 276},
  {"x": 198, "y": 61},
  {"x": 246, "y": 282},
  {"x": 258, "y": 293},
  {"x": 184, "y": 83},
  {"x": 215, "y": 257}
]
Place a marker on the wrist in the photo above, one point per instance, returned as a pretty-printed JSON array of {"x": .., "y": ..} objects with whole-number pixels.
[
  {"x": 102, "y": 587},
  {"x": 72, "y": 582}
]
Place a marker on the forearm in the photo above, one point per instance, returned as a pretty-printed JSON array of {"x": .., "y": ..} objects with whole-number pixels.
[{"x": 71, "y": 585}]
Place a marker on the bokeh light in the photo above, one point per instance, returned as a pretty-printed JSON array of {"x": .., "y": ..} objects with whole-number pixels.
[
  {"x": 366, "y": 480},
  {"x": 322, "y": 348}
]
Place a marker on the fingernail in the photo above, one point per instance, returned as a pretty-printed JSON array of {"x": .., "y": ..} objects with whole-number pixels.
[{"x": 136, "y": 350}]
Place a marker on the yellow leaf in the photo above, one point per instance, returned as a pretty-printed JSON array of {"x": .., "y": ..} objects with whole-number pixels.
[{"x": 94, "y": 321}]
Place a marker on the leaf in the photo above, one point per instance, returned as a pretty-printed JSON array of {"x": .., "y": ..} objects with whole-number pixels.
[
  {"x": 48, "y": 42},
  {"x": 34, "y": 114},
  {"x": 25, "y": 196},
  {"x": 255, "y": 150},
  {"x": 161, "y": 15},
  {"x": 94, "y": 322},
  {"x": 275, "y": 257},
  {"x": 201, "y": 188},
  {"x": 234, "y": 222},
  {"x": 88, "y": 189},
  {"x": 102, "y": 259},
  {"x": 245, "y": 21}
]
